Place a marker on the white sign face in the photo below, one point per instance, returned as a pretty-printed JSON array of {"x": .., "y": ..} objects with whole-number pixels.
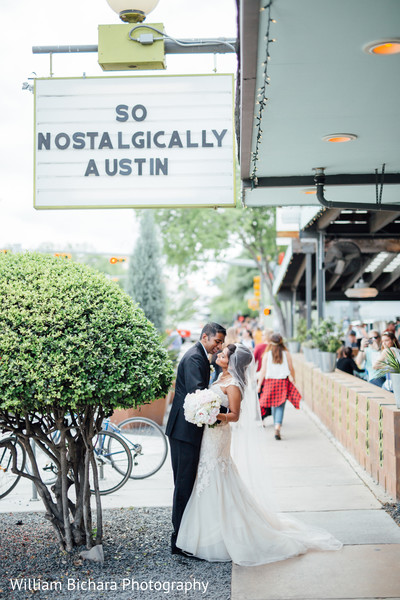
[{"x": 151, "y": 141}]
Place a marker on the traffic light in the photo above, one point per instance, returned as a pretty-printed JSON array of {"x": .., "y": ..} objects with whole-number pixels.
[
  {"x": 63, "y": 255},
  {"x": 257, "y": 286},
  {"x": 267, "y": 310},
  {"x": 116, "y": 259},
  {"x": 253, "y": 303}
]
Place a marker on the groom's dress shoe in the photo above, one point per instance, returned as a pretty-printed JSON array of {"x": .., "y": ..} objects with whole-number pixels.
[{"x": 176, "y": 550}]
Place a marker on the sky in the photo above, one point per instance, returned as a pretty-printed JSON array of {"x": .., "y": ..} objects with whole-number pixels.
[{"x": 25, "y": 23}]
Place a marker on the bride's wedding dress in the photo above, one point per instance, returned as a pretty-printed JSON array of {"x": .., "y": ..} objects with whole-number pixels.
[{"x": 223, "y": 521}]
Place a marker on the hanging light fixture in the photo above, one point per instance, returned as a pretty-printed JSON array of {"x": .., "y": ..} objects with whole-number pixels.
[
  {"x": 132, "y": 45},
  {"x": 361, "y": 290}
]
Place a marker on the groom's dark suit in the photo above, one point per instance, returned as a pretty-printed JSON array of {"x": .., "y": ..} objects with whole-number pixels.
[{"x": 185, "y": 438}]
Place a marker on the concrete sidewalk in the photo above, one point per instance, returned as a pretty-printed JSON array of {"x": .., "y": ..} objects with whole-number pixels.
[
  {"x": 321, "y": 486},
  {"x": 318, "y": 484}
]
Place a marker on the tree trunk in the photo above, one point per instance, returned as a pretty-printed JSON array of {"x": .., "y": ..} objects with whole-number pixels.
[
  {"x": 72, "y": 456},
  {"x": 275, "y": 304},
  {"x": 266, "y": 273}
]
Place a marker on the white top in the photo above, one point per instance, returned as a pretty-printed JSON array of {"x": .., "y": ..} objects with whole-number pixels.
[{"x": 276, "y": 370}]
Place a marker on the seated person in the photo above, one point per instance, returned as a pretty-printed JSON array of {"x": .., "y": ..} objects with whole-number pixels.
[{"x": 346, "y": 362}]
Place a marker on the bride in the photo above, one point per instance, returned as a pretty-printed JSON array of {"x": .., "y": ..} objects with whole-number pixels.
[{"x": 230, "y": 514}]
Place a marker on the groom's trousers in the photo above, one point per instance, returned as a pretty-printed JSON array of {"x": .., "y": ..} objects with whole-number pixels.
[{"x": 185, "y": 460}]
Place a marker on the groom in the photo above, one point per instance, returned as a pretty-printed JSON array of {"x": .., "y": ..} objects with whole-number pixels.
[{"x": 184, "y": 437}]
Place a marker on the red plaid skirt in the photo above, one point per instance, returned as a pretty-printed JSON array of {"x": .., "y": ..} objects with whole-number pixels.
[{"x": 276, "y": 391}]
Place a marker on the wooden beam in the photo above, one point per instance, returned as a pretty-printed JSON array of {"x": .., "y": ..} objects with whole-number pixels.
[
  {"x": 389, "y": 279},
  {"x": 379, "y": 270},
  {"x": 299, "y": 274},
  {"x": 287, "y": 234},
  {"x": 327, "y": 217},
  {"x": 372, "y": 245},
  {"x": 379, "y": 220},
  {"x": 350, "y": 281},
  {"x": 329, "y": 284}
]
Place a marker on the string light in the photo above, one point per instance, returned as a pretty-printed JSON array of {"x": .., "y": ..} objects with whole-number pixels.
[{"x": 262, "y": 95}]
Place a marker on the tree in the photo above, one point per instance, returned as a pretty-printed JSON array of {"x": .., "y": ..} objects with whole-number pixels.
[
  {"x": 234, "y": 286},
  {"x": 193, "y": 236},
  {"x": 73, "y": 348},
  {"x": 145, "y": 283},
  {"x": 181, "y": 307}
]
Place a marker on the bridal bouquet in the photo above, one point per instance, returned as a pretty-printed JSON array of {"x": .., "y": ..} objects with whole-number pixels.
[{"x": 202, "y": 407}]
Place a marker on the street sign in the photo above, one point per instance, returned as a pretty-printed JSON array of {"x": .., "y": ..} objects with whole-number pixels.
[{"x": 134, "y": 142}]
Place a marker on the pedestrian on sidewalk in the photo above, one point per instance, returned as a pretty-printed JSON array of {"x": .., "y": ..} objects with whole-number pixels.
[
  {"x": 276, "y": 379},
  {"x": 259, "y": 351}
]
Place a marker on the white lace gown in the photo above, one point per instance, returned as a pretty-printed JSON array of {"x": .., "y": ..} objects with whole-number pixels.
[{"x": 222, "y": 522}]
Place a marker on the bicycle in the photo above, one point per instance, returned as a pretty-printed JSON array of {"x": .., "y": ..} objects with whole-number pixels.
[
  {"x": 147, "y": 443},
  {"x": 8, "y": 479},
  {"x": 113, "y": 458},
  {"x": 136, "y": 448}
]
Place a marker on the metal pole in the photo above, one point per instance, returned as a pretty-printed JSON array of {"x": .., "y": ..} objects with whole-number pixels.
[
  {"x": 188, "y": 46},
  {"x": 294, "y": 295},
  {"x": 308, "y": 288},
  {"x": 320, "y": 275}
]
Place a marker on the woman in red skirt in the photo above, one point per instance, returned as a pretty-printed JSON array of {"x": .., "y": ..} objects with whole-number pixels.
[{"x": 274, "y": 381}]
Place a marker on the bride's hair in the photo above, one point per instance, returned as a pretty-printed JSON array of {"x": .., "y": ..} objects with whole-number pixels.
[
  {"x": 240, "y": 357},
  {"x": 231, "y": 349}
]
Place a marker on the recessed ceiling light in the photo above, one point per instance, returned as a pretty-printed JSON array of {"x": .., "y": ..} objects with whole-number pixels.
[
  {"x": 339, "y": 137},
  {"x": 390, "y": 46},
  {"x": 309, "y": 191}
]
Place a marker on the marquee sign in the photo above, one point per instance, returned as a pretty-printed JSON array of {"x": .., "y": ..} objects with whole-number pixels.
[{"x": 130, "y": 142}]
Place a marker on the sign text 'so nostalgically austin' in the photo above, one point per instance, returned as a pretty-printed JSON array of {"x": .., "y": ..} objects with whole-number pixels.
[{"x": 151, "y": 141}]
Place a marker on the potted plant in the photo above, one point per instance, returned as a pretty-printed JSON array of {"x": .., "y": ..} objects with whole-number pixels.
[
  {"x": 328, "y": 340},
  {"x": 307, "y": 348},
  {"x": 329, "y": 353},
  {"x": 315, "y": 334},
  {"x": 295, "y": 342},
  {"x": 391, "y": 365}
]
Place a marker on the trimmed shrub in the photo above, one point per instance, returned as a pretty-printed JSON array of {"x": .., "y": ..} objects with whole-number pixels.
[{"x": 71, "y": 343}]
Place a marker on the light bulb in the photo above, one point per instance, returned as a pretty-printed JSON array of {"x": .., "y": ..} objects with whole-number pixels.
[{"x": 133, "y": 10}]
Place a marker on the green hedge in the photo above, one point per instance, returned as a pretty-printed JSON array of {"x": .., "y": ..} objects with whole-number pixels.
[{"x": 70, "y": 337}]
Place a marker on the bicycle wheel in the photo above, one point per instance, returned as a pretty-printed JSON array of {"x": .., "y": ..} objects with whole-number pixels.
[
  {"x": 47, "y": 467},
  {"x": 114, "y": 462},
  {"x": 148, "y": 445},
  {"x": 8, "y": 479}
]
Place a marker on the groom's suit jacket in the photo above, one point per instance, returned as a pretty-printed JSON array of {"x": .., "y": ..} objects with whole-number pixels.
[{"x": 193, "y": 374}]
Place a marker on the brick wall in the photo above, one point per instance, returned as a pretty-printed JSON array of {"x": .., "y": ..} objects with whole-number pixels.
[{"x": 362, "y": 417}]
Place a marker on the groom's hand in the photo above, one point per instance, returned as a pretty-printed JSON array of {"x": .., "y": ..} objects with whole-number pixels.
[{"x": 222, "y": 409}]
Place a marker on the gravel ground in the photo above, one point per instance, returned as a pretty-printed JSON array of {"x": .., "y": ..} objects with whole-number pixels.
[
  {"x": 137, "y": 561},
  {"x": 393, "y": 510}
]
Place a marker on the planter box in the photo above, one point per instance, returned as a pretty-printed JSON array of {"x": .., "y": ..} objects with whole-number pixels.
[{"x": 154, "y": 411}]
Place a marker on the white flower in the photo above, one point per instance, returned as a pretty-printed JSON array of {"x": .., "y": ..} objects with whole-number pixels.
[{"x": 201, "y": 407}]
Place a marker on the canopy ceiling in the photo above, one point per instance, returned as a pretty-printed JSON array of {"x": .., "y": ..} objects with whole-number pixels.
[
  {"x": 367, "y": 243},
  {"x": 321, "y": 82}
]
